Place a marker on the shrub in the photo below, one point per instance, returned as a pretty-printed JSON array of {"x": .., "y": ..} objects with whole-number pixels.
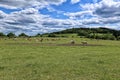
[
  {"x": 23, "y": 35},
  {"x": 2, "y": 35},
  {"x": 11, "y": 35},
  {"x": 101, "y": 36},
  {"x": 83, "y": 33},
  {"x": 52, "y": 35}
]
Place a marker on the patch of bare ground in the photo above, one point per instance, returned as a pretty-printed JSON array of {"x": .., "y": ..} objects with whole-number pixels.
[
  {"x": 52, "y": 44},
  {"x": 79, "y": 45}
]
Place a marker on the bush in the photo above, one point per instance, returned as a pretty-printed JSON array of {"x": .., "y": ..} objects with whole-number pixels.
[
  {"x": 101, "y": 36},
  {"x": 83, "y": 33},
  {"x": 2, "y": 35},
  {"x": 39, "y": 35},
  {"x": 23, "y": 35},
  {"x": 116, "y": 34},
  {"x": 11, "y": 35},
  {"x": 52, "y": 35},
  {"x": 118, "y": 38}
]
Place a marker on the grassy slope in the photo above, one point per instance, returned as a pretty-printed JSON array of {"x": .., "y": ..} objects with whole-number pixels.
[{"x": 35, "y": 62}]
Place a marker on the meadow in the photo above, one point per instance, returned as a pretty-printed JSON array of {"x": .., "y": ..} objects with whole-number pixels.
[{"x": 21, "y": 59}]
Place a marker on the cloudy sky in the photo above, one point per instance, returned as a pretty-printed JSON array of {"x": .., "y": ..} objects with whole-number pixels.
[{"x": 42, "y": 16}]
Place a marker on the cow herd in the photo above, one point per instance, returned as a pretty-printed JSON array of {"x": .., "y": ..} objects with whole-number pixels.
[{"x": 71, "y": 41}]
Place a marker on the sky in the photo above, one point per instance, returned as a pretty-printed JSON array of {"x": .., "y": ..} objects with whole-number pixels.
[{"x": 45, "y": 16}]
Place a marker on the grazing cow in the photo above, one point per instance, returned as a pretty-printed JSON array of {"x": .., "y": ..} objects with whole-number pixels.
[
  {"x": 15, "y": 39},
  {"x": 53, "y": 39},
  {"x": 41, "y": 40},
  {"x": 29, "y": 39},
  {"x": 47, "y": 39},
  {"x": 72, "y": 42},
  {"x": 36, "y": 40},
  {"x": 84, "y": 42}
]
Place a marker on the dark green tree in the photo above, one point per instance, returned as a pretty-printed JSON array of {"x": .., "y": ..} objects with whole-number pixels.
[
  {"x": 23, "y": 35},
  {"x": 116, "y": 34},
  {"x": 11, "y": 35},
  {"x": 82, "y": 33},
  {"x": 52, "y": 35},
  {"x": 39, "y": 35},
  {"x": 2, "y": 34}
]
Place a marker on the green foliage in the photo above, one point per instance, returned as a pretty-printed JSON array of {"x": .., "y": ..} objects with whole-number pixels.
[
  {"x": 2, "y": 34},
  {"x": 93, "y": 33},
  {"x": 39, "y": 35},
  {"x": 101, "y": 36},
  {"x": 82, "y": 33},
  {"x": 116, "y": 34},
  {"x": 52, "y": 35},
  {"x": 89, "y": 30},
  {"x": 118, "y": 38},
  {"x": 23, "y": 35},
  {"x": 11, "y": 35}
]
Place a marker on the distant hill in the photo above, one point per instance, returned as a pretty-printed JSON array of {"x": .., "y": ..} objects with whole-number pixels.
[
  {"x": 92, "y": 33},
  {"x": 96, "y": 33},
  {"x": 91, "y": 30}
]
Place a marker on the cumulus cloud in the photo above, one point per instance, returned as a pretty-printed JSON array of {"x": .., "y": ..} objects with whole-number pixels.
[
  {"x": 95, "y": 1},
  {"x": 78, "y": 15},
  {"x": 75, "y": 1},
  {"x": 29, "y": 19},
  {"x": 105, "y": 8},
  {"x": 101, "y": 21},
  {"x": 14, "y": 4},
  {"x": 108, "y": 10},
  {"x": 103, "y": 13},
  {"x": 25, "y": 20},
  {"x": 2, "y": 15}
]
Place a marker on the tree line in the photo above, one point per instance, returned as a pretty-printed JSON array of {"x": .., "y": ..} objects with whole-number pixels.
[
  {"x": 93, "y": 33},
  {"x": 12, "y": 35}
]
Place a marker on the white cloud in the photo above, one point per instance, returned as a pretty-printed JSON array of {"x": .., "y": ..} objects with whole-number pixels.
[
  {"x": 14, "y": 4},
  {"x": 75, "y": 1},
  {"x": 95, "y": 1},
  {"x": 78, "y": 15},
  {"x": 29, "y": 20},
  {"x": 105, "y": 9},
  {"x": 104, "y": 12},
  {"x": 2, "y": 14}
]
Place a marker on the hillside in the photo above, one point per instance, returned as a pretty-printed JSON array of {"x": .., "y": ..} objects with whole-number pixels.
[
  {"x": 91, "y": 30},
  {"x": 96, "y": 33}
]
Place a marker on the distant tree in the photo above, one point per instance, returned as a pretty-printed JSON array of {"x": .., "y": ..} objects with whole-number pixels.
[
  {"x": 116, "y": 34},
  {"x": 11, "y": 35},
  {"x": 2, "y": 34},
  {"x": 23, "y": 35},
  {"x": 118, "y": 38},
  {"x": 82, "y": 33},
  {"x": 38, "y": 35},
  {"x": 51, "y": 35},
  {"x": 101, "y": 36}
]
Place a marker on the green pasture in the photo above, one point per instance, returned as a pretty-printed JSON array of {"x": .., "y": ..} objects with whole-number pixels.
[{"x": 21, "y": 59}]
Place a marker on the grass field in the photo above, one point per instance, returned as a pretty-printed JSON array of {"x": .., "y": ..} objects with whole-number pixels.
[{"x": 30, "y": 60}]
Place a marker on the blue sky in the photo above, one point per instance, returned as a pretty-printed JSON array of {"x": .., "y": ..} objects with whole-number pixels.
[{"x": 44, "y": 16}]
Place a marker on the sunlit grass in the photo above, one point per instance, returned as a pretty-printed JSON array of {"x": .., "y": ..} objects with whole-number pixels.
[{"x": 35, "y": 61}]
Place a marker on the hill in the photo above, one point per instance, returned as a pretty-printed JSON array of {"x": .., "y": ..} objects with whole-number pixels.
[{"x": 96, "y": 33}]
